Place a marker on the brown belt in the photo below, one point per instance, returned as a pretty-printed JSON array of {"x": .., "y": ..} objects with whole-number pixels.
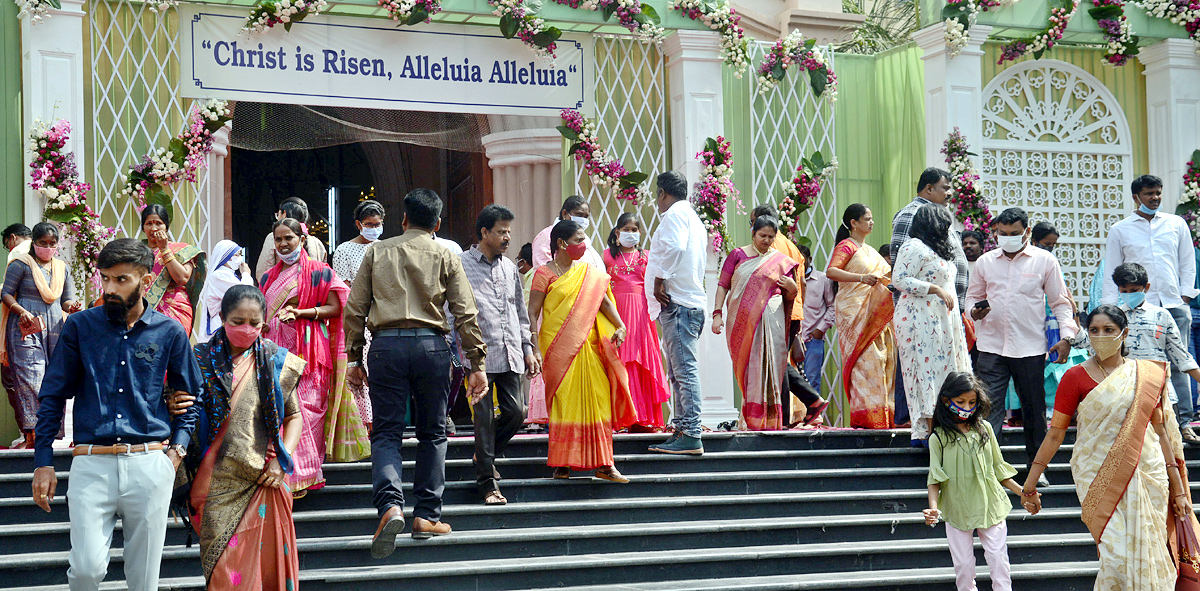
[{"x": 120, "y": 448}]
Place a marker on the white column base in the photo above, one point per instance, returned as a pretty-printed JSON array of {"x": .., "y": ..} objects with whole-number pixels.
[{"x": 717, "y": 403}]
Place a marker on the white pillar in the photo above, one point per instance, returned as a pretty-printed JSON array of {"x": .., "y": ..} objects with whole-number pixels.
[
  {"x": 1173, "y": 111},
  {"x": 694, "y": 70},
  {"x": 526, "y": 177},
  {"x": 52, "y": 82},
  {"x": 214, "y": 194},
  {"x": 953, "y": 89}
]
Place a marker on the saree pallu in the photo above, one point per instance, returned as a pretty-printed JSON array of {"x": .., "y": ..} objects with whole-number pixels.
[
  {"x": 247, "y": 536},
  {"x": 1121, "y": 478},
  {"x": 179, "y": 302},
  {"x": 587, "y": 387},
  {"x": 863, "y": 317},
  {"x": 757, "y": 338}
]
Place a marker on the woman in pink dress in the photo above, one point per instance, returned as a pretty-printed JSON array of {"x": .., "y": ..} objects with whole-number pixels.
[{"x": 626, "y": 264}]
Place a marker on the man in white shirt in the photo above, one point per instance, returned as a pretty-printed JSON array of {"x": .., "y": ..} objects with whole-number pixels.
[
  {"x": 576, "y": 209},
  {"x": 17, "y": 240},
  {"x": 1162, "y": 243},
  {"x": 675, "y": 283}
]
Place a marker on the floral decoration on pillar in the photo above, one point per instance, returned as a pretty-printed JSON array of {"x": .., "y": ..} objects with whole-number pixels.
[
  {"x": 411, "y": 12},
  {"x": 1185, "y": 13},
  {"x": 723, "y": 19},
  {"x": 54, "y": 175},
  {"x": 147, "y": 181},
  {"x": 36, "y": 9},
  {"x": 265, "y": 14},
  {"x": 1061, "y": 12},
  {"x": 794, "y": 51},
  {"x": 970, "y": 207},
  {"x": 601, "y": 168},
  {"x": 959, "y": 15},
  {"x": 1122, "y": 43},
  {"x": 641, "y": 19},
  {"x": 715, "y": 190},
  {"x": 801, "y": 192},
  {"x": 1189, "y": 205},
  {"x": 519, "y": 18}
]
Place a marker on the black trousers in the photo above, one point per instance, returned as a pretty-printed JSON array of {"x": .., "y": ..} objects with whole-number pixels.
[
  {"x": 402, "y": 368},
  {"x": 1027, "y": 374},
  {"x": 798, "y": 384},
  {"x": 492, "y": 432}
]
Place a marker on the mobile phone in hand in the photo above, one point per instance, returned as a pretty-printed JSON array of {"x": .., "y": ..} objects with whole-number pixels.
[{"x": 981, "y": 304}]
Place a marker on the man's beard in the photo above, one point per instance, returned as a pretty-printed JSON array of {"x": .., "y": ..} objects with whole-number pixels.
[{"x": 118, "y": 309}]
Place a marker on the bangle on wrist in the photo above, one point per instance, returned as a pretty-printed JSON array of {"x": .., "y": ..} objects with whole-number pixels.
[
  {"x": 1029, "y": 494},
  {"x": 718, "y": 312},
  {"x": 1042, "y": 464}
]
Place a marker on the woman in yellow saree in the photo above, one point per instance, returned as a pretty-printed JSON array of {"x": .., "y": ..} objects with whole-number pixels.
[
  {"x": 587, "y": 387},
  {"x": 761, "y": 285},
  {"x": 179, "y": 269},
  {"x": 1127, "y": 462},
  {"x": 863, "y": 316}
]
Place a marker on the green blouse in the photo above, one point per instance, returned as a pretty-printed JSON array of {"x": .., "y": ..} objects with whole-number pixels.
[{"x": 969, "y": 473}]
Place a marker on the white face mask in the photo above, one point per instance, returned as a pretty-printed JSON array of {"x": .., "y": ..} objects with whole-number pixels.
[
  {"x": 1011, "y": 244},
  {"x": 235, "y": 263},
  {"x": 372, "y": 234},
  {"x": 583, "y": 222},
  {"x": 629, "y": 239}
]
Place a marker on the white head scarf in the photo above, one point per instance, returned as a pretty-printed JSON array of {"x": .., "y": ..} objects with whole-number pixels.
[{"x": 221, "y": 277}]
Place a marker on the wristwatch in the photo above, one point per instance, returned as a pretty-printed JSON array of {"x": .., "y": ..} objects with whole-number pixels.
[
  {"x": 179, "y": 450},
  {"x": 350, "y": 364}
]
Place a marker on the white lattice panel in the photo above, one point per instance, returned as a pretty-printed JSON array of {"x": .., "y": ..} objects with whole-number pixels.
[
  {"x": 136, "y": 106},
  {"x": 1057, "y": 144},
  {"x": 631, "y": 110}
]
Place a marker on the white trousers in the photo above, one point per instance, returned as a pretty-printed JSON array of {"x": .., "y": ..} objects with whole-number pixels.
[
  {"x": 995, "y": 550},
  {"x": 136, "y": 487}
]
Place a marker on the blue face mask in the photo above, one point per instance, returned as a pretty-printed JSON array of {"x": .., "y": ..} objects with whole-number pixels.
[
  {"x": 291, "y": 257},
  {"x": 960, "y": 412},
  {"x": 372, "y": 234},
  {"x": 1131, "y": 300},
  {"x": 1146, "y": 210}
]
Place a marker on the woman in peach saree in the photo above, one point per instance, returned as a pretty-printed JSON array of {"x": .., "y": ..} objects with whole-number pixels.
[
  {"x": 587, "y": 387},
  {"x": 863, "y": 316}
]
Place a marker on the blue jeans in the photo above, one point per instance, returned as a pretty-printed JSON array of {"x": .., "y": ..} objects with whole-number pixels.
[
  {"x": 814, "y": 360},
  {"x": 1181, "y": 381},
  {"x": 1192, "y": 348},
  {"x": 681, "y": 338}
]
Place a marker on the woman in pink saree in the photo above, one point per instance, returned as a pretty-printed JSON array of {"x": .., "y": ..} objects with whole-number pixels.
[
  {"x": 179, "y": 269},
  {"x": 304, "y": 316},
  {"x": 761, "y": 286},
  {"x": 863, "y": 310}
]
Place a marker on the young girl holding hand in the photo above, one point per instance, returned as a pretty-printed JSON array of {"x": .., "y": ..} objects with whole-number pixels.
[{"x": 967, "y": 478}]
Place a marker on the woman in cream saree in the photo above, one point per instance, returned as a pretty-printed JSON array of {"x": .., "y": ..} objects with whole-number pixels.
[
  {"x": 761, "y": 288},
  {"x": 1127, "y": 461},
  {"x": 863, "y": 310}
]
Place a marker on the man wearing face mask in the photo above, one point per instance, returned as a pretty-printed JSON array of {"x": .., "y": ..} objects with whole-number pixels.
[
  {"x": 111, "y": 360},
  {"x": 1007, "y": 296},
  {"x": 576, "y": 209},
  {"x": 1162, "y": 244}
]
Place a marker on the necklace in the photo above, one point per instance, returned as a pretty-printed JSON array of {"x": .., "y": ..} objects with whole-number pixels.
[
  {"x": 628, "y": 263},
  {"x": 1107, "y": 372},
  {"x": 560, "y": 269}
]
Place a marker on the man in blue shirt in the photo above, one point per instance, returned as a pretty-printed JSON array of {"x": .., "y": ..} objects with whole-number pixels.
[{"x": 112, "y": 360}]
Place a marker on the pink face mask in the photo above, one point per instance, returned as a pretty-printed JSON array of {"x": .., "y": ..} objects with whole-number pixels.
[
  {"x": 242, "y": 336},
  {"x": 45, "y": 253}
]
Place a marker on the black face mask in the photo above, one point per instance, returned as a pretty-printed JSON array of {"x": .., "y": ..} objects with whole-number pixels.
[{"x": 118, "y": 309}]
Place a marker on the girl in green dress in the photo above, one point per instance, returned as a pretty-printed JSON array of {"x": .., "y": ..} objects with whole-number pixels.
[{"x": 967, "y": 478}]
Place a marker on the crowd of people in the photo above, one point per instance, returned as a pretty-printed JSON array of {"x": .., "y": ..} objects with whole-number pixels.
[{"x": 270, "y": 374}]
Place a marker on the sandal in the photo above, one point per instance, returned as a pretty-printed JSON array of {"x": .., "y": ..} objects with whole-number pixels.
[
  {"x": 562, "y": 473},
  {"x": 815, "y": 412},
  {"x": 612, "y": 475},
  {"x": 495, "y": 498}
]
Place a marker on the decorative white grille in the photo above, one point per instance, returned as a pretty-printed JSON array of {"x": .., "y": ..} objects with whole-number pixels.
[
  {"x": 134, "y": 55},
  {"x": 631, "y": 111},
  {"x": 1056, "y": 143}
]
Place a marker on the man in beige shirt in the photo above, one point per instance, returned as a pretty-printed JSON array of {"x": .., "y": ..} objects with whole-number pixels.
[
  {"x": 17, "y": 240},
  {"x": 399, "y": 295}
]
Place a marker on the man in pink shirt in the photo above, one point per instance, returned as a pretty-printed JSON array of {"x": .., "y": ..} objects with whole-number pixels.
[{"x": 1007, "y": 296}]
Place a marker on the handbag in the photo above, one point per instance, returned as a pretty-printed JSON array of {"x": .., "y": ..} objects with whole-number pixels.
[{"x": 1189, "y": 555}]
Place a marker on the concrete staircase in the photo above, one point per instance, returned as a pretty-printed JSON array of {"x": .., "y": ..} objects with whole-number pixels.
[{"x": 788, "y": 510}]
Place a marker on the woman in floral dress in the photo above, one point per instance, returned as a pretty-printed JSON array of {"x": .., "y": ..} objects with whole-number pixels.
[{"x": 347, "y": 258}]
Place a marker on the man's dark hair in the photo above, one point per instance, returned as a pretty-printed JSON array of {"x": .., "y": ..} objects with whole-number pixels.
[
  {"x": 765, "y": 209},
  {"x": 1013, "y": 215},
  {"x": 931, "y": 176},
  {"x": 673, "y": 183},
  {"x": 295, "y": 208},
  {"x": 526, "y": 253},
  {"x": 1146, "y": 181},
  {"x": 806, "y": 253},
  {"x": 976, "y": 234},
  {"x": 488, "y": 217},
  {"x": 423, "y": 208},
  {"x": 126, "y": 250},
  {"x": 1130, "y": 274},
  {"x": 572, "y": 203},
  {"x": 240, "y": 293},
  {"x": 17, "y": 230},
  {"x": 1042, "y": 230}
]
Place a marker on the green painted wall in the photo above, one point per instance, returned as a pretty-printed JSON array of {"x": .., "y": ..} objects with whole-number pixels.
[{"x": 12, "y": 144}]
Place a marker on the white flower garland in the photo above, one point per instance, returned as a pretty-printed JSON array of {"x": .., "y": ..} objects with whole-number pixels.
[
  {"x": 1176, "y": 13},
  {"x": 36, "y": 9},
  {"x": 265, "y": 15},
  {"x": 724, "y": 20}
]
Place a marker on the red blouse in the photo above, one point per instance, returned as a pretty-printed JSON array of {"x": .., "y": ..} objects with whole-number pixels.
[{"x": 1074, "y": 386}]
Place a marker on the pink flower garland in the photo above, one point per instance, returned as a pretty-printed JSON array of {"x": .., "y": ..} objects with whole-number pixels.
[
  {"x": 1061, "y": 12},
  {"x": 1189, "y": 205},
  {"x": 801, "y": 192},
  {"x": 969, "y": 206},
  {"x": 793, "y": 50},
  {"x": 148, "y": 180},
  {"x": 411, "y": 12},
  {"x": 603, "y": 169},
  {"x": 1122, "y": 43},
  {"x": 714, "y": 190}
]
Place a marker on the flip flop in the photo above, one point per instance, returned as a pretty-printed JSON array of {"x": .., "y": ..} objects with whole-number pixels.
[{"x": 495, "y": 498}]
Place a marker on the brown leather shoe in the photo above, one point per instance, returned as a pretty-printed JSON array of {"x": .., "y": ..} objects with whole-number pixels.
[
  {"x": 423, "y": 529},
  {"x": 390, "y": 525}
]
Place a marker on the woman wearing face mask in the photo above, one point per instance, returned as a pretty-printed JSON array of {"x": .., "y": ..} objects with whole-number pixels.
[
  {"x": 304, "y": 315},
  {"x": 762, "y": 287},
  {"x": 229, "y": 269},
  {"x": 626, "y": 263},
  {"x": 179, "y": 269},
  {"x": 347, "y": 258},
  {"x": 38, "y": 289},
  {"x": 297, "y": 209},
  {"x": 1127, "y": 461},
  {"x": 242, "y": 450},
  {"x": 587, "y": 387}
]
